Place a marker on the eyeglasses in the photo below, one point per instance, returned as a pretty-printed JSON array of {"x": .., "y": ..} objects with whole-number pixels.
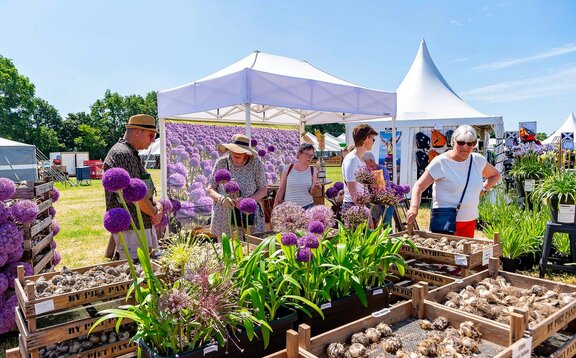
[
  {"x": 308, "y": 155},
  {"x": 470, "y": 144}
]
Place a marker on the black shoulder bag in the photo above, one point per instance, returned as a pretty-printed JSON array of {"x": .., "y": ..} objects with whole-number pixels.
[{"x": 443, "y": 220}]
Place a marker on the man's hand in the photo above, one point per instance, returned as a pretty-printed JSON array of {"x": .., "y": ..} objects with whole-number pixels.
[{"x": 411, "y": 215}]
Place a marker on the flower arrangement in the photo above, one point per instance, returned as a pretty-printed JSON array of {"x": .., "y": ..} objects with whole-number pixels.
[{"x": 532, "y": 161}]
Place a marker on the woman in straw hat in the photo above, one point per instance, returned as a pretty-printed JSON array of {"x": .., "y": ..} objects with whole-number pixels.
[{"x": 247, "y": 171}]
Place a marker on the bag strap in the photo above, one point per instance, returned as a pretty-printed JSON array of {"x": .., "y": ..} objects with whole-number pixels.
[
  {"x": 311, "y": 177},
  {"x": 287, "y": 173},
  {"x": 467, "y": 180}
]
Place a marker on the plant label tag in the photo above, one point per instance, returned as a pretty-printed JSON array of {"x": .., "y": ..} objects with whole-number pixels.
[
  {"x": 486, "y": 255},
  {"x": 326, "y": 305},
  {"x": 529, "y": 184},
  {"x": 461, "y": 260},
  {"x": 377, "y": 292},
  {"x": 381, "y": 313},
  {"x": 566, "y": 213},
  {"x": 523, "y": 348},
  {"x": 210, "y": 349},
  {"x": 43, "y": 307},
  {"x": 458, "y": 280}
]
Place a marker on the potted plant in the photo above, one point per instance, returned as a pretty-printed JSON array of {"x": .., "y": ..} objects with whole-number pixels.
[
  {"x": 558, "y": 189},
  {"x": 532, "y": 162}
]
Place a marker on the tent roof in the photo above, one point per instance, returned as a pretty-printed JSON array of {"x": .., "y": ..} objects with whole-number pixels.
[
  {"x": 153, "y": 149},
  {"x": 329, "y": 145},
  {"x": 569, "y": 125},
  {"x": 10, "y": 143},
  {"x": 280, "y": 90},
  {"x": 342, "y": 138},
  {"x": 425, "y": 94}
]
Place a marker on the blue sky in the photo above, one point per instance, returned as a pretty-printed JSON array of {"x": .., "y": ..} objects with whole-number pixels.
[{"x": 511, "y": 58}]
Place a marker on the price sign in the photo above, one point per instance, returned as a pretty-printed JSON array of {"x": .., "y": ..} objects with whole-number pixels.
[
  {"x": 486, "y": 255},
  {"x": 529, "y": 185},
  {"x": 523, "y": 348},
  {"x": 461, "y": 260},
  {"x": 326, "y": 305},
  {"x": 43, "y": 307},
  {"x": 566, "y": 213}
]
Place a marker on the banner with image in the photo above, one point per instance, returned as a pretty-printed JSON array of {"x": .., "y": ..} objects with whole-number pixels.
[{"x": 385, "y": 149}]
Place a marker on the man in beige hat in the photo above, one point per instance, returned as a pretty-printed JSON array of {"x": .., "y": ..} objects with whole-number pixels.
[{"x": 140, "y": 133}]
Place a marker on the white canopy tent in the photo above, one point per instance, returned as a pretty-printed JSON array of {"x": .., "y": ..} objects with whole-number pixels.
[
  {"x": 18, "y": 160},
  {"x": 569, "y": 125},
  {"x": 269, "y": 89},
  {"x": 426, "y": 100},
  {"x": 149, "y": 155},
  {"x": 330, "y": 145},
  {"x": 342, "y": 138}
]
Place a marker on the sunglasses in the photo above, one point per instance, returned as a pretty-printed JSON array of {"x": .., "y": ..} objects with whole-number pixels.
[{"x": 470, "y": 144}]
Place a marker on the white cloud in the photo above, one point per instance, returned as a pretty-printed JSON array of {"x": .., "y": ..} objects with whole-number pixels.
[
  {"x": 553, "y": 84},
  {"x": 456, "y": 23},
  {"x": 553, "y": 52}
]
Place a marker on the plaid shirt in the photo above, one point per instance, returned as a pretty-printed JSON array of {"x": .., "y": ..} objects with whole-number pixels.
[{"x": 123, "y": 155}]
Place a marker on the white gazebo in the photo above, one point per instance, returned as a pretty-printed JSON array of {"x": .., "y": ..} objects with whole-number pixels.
[
  {"x": 269, "y": 89},
  {"x": 569, "y": 125},
  {"x": 426, "y": 101}
]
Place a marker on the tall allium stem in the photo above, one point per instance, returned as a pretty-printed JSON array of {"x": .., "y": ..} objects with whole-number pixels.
[{"x": 125, "y": 205}]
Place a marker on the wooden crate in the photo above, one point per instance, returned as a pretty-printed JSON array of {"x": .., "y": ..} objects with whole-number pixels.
[
  {"x": 33, "y": 189},
  {"x": 301, "y": 344},
  {"x": 515, "y": 331},
  {"x": 466, "y": 260}
]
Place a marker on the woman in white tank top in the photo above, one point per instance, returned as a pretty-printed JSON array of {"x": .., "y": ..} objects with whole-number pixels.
[{"x": 298, "y": 179}]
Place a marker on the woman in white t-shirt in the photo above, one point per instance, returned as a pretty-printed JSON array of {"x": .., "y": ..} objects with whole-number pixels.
[
  {"x": 363, "y": 136},
  {"x": 448, "y": 172},
  {"x": 298, "y": 180}
]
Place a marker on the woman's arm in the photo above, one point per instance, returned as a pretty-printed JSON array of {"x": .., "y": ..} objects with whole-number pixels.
[
  {"x": 492, "y": 176},
  {"x": 219, "y": 198},
  {"x": 279, "y": 198},
  {"x": 422, "y": 184}
]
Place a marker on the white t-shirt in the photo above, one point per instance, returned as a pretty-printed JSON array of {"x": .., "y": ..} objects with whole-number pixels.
[
  {"x": 298, "y": 185},
  {"x": 449, "y": 181},
  {"x": 350, "y": 163}
]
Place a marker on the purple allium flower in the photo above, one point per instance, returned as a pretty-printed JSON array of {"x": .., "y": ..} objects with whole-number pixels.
[
  {"x": 4, "y": 213},
  {"x": 362, "y": 198},
  {"x": 10, "y": 237},
  {"x": 405, "y": 188},
  {"x": 222, "y": 176},
  {"x": 231, "y": 187},
  {"x": 177, "y": 168},
  {"x": 207, "y": 171},
  {"x": 52, "y": 211},
  {"x": 214, "y": 154},
  {"x": 204, "y": 204},
  {"x": 7, "y": 189},
  {"x": 176, "y": 180},
  {"x": 187, "y": 209},
  {"x": 3, "y": 260},
  {"x": 175, "y": 205},
  {"x": 271, "y": 148},
  {"x": 115, "y": 179},
  {"x": 311, "y": 241},
  {"x": 53, "y": 244},
  {"x": 11, "y": 271},
  {"x": 248, "y": 205},
  {"x": 288, "y": 216},
  {"x": 200, "y": 179},
  {"x": 304, "y": 255},
  {"x": 55, "y": 227},
  {"x": 136, "y": 190},
  {"x": 338, "y": 185},
  {"x": 289, "y": 239},
  {"x": 355, "y": 215},
  {"x": 166, "y": 205},
  {"x": 261, "y": 152},
  {"x": 56, "y": 258},
  {"x": 174, "y": 301},
  {"x": 316, "y": 227},
  {"x": 365, "y": 176},
  {"x": 117, "y": 220},
  {"x": 196, "y": 194},
  {"x": 15, "y": 255},
  {"x": 163, "y": 222},
  {"x": 331, "y": 192},
  {"x": 55, "y": 195},
  {"x": 253, "y": 142},
  {"x": 3, "y": 285},
  {"x": 385, "y": 196},
  {"x": 24, "y": 211},
  {"x": 194, "y": 162},
  {"x": 7, "y": 316}
]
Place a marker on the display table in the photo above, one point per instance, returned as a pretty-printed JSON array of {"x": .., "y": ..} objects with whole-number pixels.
[{"x": 319, "y": 199}]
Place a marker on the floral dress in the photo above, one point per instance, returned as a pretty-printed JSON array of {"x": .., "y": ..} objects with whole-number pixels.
[{"x": 250, "y": 178}]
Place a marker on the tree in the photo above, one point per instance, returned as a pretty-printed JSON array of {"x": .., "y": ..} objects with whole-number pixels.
[
  {"x": 50, "y": 141},
  {"x": 71, "y": 127},
  {"x": 333, "y": 128},
  {"x": 541, "y": 136},
  {"x": 91, "y": 140}
]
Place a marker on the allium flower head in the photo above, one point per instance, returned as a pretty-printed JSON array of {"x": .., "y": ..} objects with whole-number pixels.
[
  {"x": 365, "y": 176},
  {"x": 288, "y": 216},
  {"x": 222, "y": 176},
  {"x": 53, "y": 244},
  {"x": 204, "y": 204},
  {"x": 338, "y": 185},
  {"x": 136, "y": 190},
  {"x": 248, "y": 205},
  {"x": 253, "y": 142},
  {"x": 166, "y": 205},
  {"x": 24, "y": 211},
  {"x": 385, "y": 196},
  {"x": 10, "y": 237},
  {"x": 271, "y": 148},
  {"x": 7, "y": 189},
  {"x": 52, "y": 211},
  {"x": 55, "y": 227},
  {"x": 174, "y": 301},
  {"x": 115, "y": 179},
  {"x": 56, "y": 258},
  {"x": 231, "y": 187},
  {"x": 11, "y": 271},
  {"x": 4, "y": 213},
  {"x": 175, "y": 205},
  {"x": 3, "y": 260},
  {"x": 321, "y": 213},
  {"x": 176, "y": 180},
  {"x": 289, "y": 239},
  {"x": 117, "y": 220},
  {"x": 331, "y": 192},
  {"x": 163, "y": 222},
  {"x": 261, "y": 152},
  {"x": 355, "y": 215},
  {"x": 311, "y": 241},
  {"x": 201, "y": 179},
  {"x": 361, "y": 198},
  {"x": 15, "y": 255},
  {"x": 304, "y": 255},
  {"x": 55, "y": 195},
  {"x": 194, "y": 162},
  {"x": 3, "y": 285},
  {"x": 196, "y": 194},
  {"x": 316, "y": 227},
  {"x": 7, "y": 316}
]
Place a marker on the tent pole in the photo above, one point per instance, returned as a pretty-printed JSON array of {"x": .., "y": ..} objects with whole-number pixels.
[
  {"x": 302, "y": 129},
  {"x": 247, "y": 117},
  {"x": 163, "y": 159},
  {"x": 393, "y": 138}
]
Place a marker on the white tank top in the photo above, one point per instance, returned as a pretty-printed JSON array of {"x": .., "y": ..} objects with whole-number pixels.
[{"x": 298, "y": 186}]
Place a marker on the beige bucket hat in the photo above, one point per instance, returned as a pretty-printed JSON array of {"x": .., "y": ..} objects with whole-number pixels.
[
  {"x": 142, "y": 121},
  {"x": 239, "y": 144}
]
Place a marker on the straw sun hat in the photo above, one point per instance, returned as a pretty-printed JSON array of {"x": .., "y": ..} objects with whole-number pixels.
[
  {"x": 142, "y": 121},
  {"x": 239, "y": 144}
]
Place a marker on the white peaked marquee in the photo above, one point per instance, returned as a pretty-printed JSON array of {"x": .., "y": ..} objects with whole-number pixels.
[
  {"x": 569, "y": 125},
  {"x": 269, "y": 89},
  {"x": 426, "y": 101}
]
